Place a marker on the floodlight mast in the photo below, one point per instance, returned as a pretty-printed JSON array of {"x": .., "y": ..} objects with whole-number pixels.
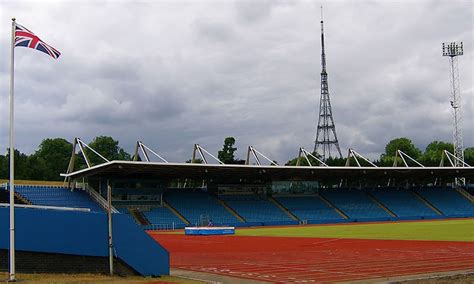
[{"x": 453, "y": 50}]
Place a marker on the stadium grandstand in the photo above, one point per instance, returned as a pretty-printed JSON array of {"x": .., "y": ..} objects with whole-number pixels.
[
  {"x": 163, "y": 195},
  {"x": 174, "y": 195},
  {"x": 147, "y": 195}
]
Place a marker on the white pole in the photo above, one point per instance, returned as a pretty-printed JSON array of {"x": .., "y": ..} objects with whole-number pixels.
[
  {"x": 12, "y": 162},
  {"x": 109, "y": 221}
]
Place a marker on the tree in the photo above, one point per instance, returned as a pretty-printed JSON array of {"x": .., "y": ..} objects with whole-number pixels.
[
  {"x": 336, "y": 161},
  {"x": 303, "y": 161},
  {"x": 403, "y": 144},
  {"x": 107, "y": 147},
  {"x": 226, "y": 155},
  {"x": 469, "y": 156},
  {"x": 3, "y": 167},
  {"x": 22, "y": 167},
  {"x": 196, "y": 161},
  {"x": 51, "y": 159},
  {"x": 434, "y": 152},
  {"x": 38, "y": 170}
]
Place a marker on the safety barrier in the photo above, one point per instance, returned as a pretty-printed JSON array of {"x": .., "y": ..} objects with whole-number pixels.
[{"x": 84, "y": 233}]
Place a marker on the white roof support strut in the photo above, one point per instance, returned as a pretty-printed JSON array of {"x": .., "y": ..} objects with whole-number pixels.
[
  {"x": 402, "y": 156},
  {"x": 78, "y": 142},
  {"x": 83, "y": 144},
  {"x": 450, "y": 156},
  {"x": 201, "y": 152},
  {"x": 256, "y": 154},
  {"x": 144, "y": 148},
  {"x": 353, "y": 154},
  {"x": 83, "y": 153},
  {"x": 305, "y": 154}
]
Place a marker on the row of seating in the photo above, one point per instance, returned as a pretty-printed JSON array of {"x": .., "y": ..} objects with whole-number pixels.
[
  {"x": 162, "y": 217},
  {"x": 257, "y": 209},
  {"x": 57, "y": 196},
  {"x": 196, "y": 205},
  {"x": 366, "y": 204},
  {"x": 447, "y": 200},
  {"x": 309, "y": 208},
  {"x": 403, "y": 203},
  {"x": 355, "y": 203}
]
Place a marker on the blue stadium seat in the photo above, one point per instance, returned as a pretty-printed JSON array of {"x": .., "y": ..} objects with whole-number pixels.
[
  {"x": 163, "y": 218},
  {"x": 158, "y": 217},
  {"x": 254, "y": 208},
  {"x": 449, "y": 201},
  {"x": 402, "y": 202},
  {"x": 57, "y": 196},
  {"x": 309, "y": 208},
  {"x": 194, "y": 204},
  {"x": 355, "y": 203}
]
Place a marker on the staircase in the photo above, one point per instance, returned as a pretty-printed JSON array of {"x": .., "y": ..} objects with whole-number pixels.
[
  {"x": 99, "y": 199},
  {"x": 381, "y": 205},
  {"x": 329, "y": 203},
  {"x": 427, "y": 203},
  {"x": 231, "y": 210},
  {"x": 23, "y": 199},
  {"x": 138, "y": 216},
  {"x": 284, "y": 209},
  {"x": 466, "y": 194},
  {"x": 172, "y": 209}
]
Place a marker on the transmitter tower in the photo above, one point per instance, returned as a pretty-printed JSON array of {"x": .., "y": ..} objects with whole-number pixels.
[{"x": 326, "y": 139}]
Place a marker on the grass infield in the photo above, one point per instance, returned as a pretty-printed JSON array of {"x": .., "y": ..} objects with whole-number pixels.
[{"x": 439, "y": 230}]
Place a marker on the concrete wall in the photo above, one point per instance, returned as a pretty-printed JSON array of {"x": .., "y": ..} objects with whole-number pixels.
[{"x": 40, "y": 262}]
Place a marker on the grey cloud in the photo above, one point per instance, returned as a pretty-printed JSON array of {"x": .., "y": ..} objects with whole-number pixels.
[
  {"x": 253, "y": 11},
  {"x": 214, "y": 31},
  {"x": 175, "y": 74}
]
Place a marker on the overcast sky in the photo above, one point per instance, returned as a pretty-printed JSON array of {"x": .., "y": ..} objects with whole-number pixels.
[{"x": 176, "y": 73}]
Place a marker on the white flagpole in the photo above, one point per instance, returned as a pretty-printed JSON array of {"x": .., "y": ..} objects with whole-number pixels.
[{"x": 12, "y": 161}]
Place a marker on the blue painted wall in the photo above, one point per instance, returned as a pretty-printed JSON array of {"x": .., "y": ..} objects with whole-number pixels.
[
  {"x": 84, "y": 233},
  {"x": 137, "y": 248}
]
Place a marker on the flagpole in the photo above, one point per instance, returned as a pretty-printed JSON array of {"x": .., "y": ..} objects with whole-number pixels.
[{"x": 12, "y": 161}]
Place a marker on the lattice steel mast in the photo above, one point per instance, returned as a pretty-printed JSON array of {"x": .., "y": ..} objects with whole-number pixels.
[
  {"x": 454, "y": 49},
  {"x": 326, "y": 136}
]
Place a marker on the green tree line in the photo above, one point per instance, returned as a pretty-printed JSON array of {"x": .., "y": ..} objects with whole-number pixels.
[
  {"x": 53, "y": 154},
  {"x": 431, "y": 156}
]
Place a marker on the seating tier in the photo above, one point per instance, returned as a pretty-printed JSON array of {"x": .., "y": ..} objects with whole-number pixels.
[{"x": 355, "y": 203}]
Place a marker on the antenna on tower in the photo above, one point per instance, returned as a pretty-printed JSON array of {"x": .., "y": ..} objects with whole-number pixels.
[
  {"x": 326, "y": 130},
  {"x": 454, "y": 49}
]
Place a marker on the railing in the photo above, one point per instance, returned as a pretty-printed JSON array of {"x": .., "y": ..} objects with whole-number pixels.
[
  {"x": 160, "y": 227},
  {"x": 98, "y": 198},
  {"x": 47, "y": 207},
  {"x": 466, "y": 194},
  {"x": 304, "y": 222},
  {"x": 142, "y": 208}
]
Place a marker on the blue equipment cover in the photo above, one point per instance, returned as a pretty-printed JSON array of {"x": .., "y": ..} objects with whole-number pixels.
[{"x": 209, "y": 230}]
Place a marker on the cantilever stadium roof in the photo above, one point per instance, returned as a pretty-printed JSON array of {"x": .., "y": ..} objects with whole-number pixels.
[{"x": 222, "y": 173}]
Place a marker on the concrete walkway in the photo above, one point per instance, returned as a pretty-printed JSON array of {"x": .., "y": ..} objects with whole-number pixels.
[{"x": 210, "y": 278}]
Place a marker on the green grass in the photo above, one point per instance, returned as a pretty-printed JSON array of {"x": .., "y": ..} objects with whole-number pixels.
[
  {"x": 51, "y": 278},
  {"x": 445, "y": 230}
]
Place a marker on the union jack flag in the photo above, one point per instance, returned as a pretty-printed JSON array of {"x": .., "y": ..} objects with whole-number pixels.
[{"x": 26, "y": 38}]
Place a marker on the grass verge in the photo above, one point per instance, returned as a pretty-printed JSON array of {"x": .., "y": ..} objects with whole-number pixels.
[{"x": 92, "y": 278}]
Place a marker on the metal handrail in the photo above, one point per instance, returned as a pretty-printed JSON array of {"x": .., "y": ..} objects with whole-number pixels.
[{"x": 98, "y": 198}]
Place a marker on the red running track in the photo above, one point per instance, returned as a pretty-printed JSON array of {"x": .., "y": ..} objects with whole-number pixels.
[{"x": 297, "y": 260}]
